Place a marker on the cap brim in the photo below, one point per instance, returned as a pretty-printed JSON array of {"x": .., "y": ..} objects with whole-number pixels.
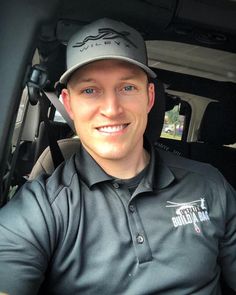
[{"x": 65, "y": 77}]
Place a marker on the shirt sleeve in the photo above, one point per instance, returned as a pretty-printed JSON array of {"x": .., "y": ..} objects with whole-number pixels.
[
  {"x": 27, "y": 238},
  {"x": 228, "y": 243}
]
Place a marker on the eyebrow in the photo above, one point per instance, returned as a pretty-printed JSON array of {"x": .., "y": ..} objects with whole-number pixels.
[
  {"x": 84, "y": 80},
  {"x": 89, "y": 80},
  {"x": 130, "y": 77},
  {"x": 79, "y": 80}
]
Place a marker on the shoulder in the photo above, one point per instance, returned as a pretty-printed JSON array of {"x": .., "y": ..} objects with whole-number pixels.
[
  {"x": 203, "y": 179},
  {"x": 38, "y": 207},
  {"x": 65, "y": 177},
  {"x": 45, "y": 189},
  {"x": 180, "y": 165}
]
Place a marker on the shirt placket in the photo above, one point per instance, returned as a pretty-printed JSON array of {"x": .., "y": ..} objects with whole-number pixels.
[{"x": 137, "y": 231}]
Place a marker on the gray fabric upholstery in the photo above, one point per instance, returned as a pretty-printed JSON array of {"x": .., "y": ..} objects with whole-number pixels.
[
  {"x": 44, "y": 164},
  {"x": 218, "y": 125}
]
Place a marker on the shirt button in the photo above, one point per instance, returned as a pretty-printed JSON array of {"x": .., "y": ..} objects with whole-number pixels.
[
  {"x": 116, "y": 185},
  {"x": 131, "y": 208},
  {"x": 139, "y": 239}
]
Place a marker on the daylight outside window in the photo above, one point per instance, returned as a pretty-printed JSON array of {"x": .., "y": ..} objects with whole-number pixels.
[{"x": 173, "y": 124}]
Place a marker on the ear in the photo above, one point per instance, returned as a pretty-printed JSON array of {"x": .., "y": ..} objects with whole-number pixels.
[
  {"x": 67, "y": 102},
  {"x": 151, "y": 96}
]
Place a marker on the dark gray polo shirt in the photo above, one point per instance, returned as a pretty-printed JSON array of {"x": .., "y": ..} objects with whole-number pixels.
[{"x": 81, "y": 232}]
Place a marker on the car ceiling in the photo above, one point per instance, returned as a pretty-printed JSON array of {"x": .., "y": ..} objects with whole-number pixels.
[
  {"x": 193, "y": 60},
  {"x": 202, "y": 24},
  {"x": 162, "y": 19}
]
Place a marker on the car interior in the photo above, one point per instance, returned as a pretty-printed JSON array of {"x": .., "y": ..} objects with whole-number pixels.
[{"x": 191, "y": 45}]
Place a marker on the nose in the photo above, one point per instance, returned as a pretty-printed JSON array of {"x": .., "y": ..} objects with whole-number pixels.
[{"x": 111, "y": 105}]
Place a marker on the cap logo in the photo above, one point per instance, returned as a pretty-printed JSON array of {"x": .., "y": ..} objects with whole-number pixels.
[{"x": 106, "y": 34}]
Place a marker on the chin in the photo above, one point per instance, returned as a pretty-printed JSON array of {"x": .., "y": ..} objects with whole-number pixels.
[{"x": 111, "y": 153}]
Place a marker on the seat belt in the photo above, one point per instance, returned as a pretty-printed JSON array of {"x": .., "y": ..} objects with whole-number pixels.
[
  {"x": 57, "y": 156},
  {"x": 36, "y": 82},
  {"x": 52, "y": 97}
]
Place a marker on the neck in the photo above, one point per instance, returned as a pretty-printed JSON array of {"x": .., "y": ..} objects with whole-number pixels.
[{"x": 125, "y": 168}]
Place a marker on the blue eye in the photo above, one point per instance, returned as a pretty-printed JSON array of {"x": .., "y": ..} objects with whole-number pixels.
[
  {"x": 88, "y": 91},
  {"x": 129, "y": 88}
]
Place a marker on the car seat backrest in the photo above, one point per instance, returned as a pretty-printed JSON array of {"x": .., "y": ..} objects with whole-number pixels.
[
  {"x": 44, "y": 164},
  {"x": 218, "y": 129},
  {"x": 157, "y": 114},
  {"x": 60, "y": 130},
  {"x": 218, "y": 125}
]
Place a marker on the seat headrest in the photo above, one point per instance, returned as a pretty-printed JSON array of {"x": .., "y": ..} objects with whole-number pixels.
[
  {"x": 218, "y": 124},
  {"x": 157, "y": 113}
]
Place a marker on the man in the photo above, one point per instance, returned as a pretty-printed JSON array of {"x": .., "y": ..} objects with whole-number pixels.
[{"x": 118, "y": 217}]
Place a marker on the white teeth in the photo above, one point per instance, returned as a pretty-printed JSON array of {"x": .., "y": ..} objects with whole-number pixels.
[{"x": 111, "y": 129}]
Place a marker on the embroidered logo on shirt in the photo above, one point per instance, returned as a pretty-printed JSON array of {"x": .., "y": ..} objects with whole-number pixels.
[{"x": 189, "y": 213}]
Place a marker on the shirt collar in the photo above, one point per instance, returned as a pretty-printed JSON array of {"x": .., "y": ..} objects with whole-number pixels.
[
  {"x": 88, "y": 169},
  {"x": 158, "y": 175}
]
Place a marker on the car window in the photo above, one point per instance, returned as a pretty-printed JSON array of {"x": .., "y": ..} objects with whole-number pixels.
[{"x": 176, "y": 122}]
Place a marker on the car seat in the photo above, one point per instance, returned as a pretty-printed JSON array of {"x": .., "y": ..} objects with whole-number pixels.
[{"x": 217, "y": 132}]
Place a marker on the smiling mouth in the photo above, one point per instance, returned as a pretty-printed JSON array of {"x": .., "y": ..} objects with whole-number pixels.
[{"x": 112, "y": 129}]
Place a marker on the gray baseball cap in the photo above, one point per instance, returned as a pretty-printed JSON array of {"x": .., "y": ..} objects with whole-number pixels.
[{"x": 105, "y": 39}]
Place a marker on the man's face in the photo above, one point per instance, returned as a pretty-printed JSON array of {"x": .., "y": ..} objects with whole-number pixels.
[{"x": 109, "y": 101}]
